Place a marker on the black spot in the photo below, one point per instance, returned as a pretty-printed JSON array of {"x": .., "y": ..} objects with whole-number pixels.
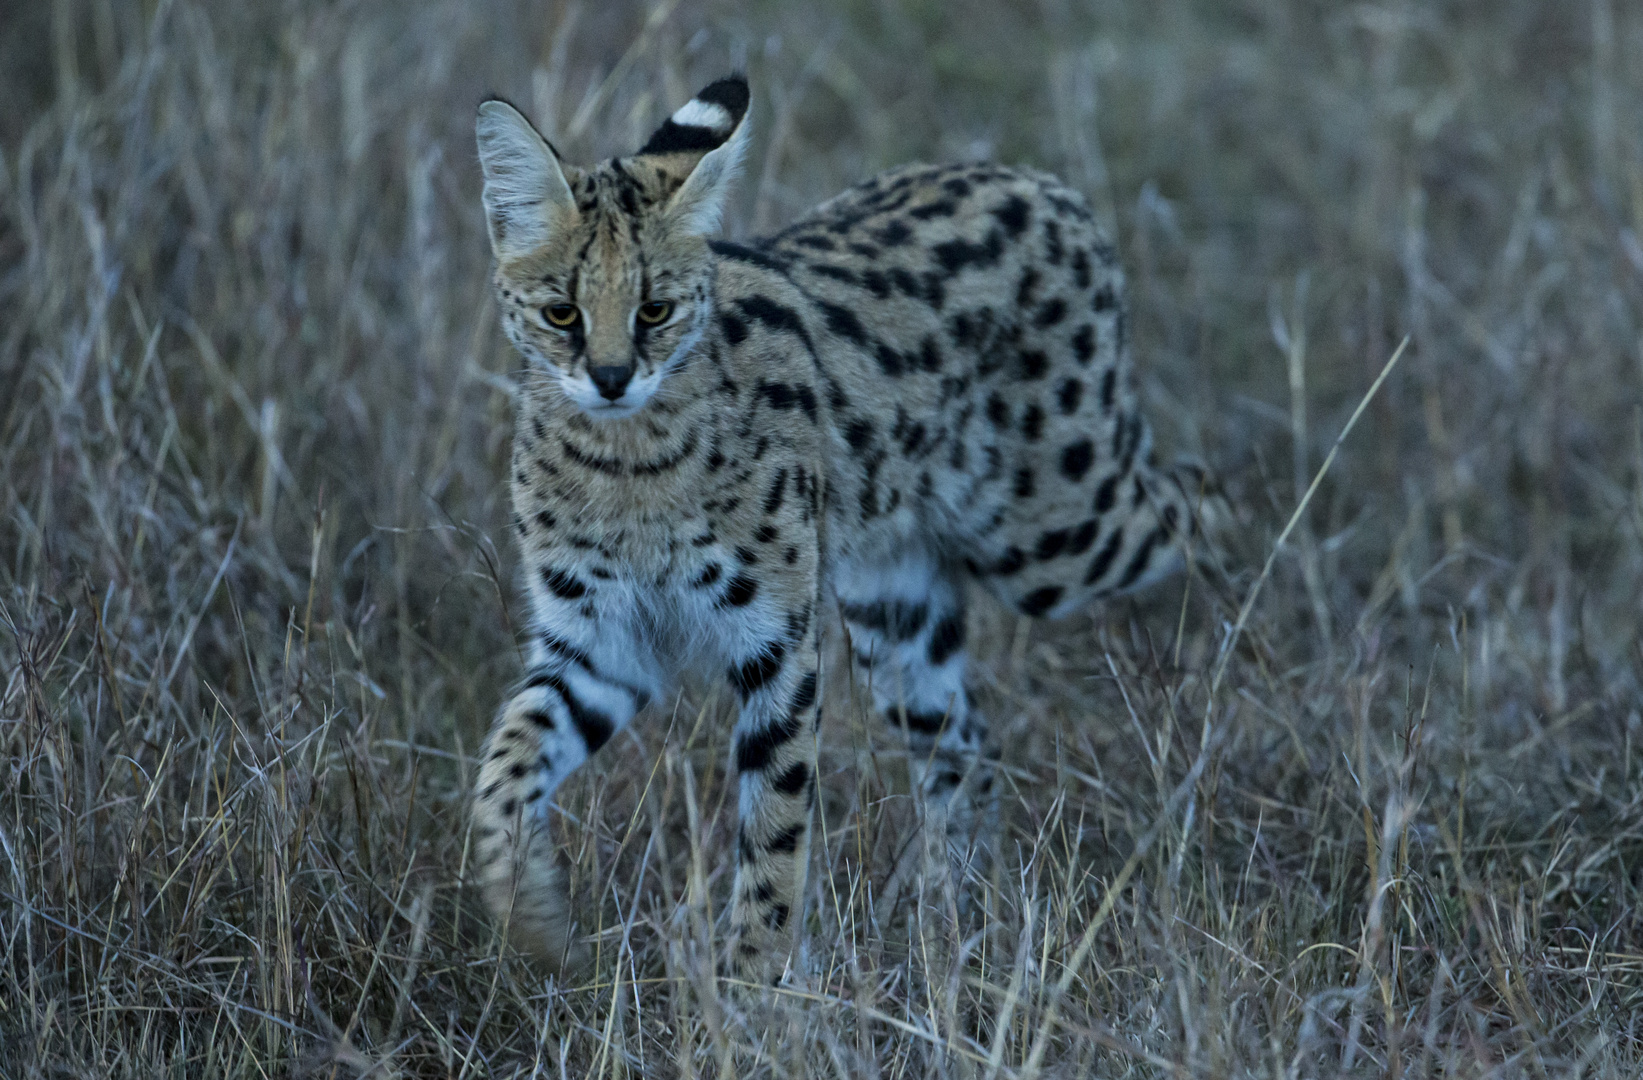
[
  {"x": 1012, "y": 214},
  {"x": 751, "y": 677},
  {"x": 756, "y": 749},
  {"x": 1033, "y": 364},
  {"x": 560, "y": 647},
  {"x": 859, "y": 434},
  {"x": 939, "y": 209},
  {"x": 1103, "y": 558},
  {"x": 1037, "y": 602},
  {"x": 876, "y": 283},
  {"x": 788, "y": 839},
  {"x": 894, "y": 234},
  {"x": 1107, "y": 493},
  {"x": 798, "y": 621},
  {"x": 837, "y": 273},
  {"x": 779, "y": 395},
  {"x": 517, "y": 770},
  {"x": 1068, "y": 397},
  {"x": 1025, "y": 483},
  {"x": 866, "y": 251},
  {"x": 764, "y": 310},
  {"x": 740, "y": 593},
  {"x": 708, "y": 576},
  {"x": 778, "y": 491},
  {"x": 891, "y": 362},
  {"x": 1084, "y": 344},
  {"x": 955, "y": 255},
  {"x": 742, "y": 253},
  {"x": 1083, "y": 537},
  {"x": 777, "y": 916},
  {"x": 1143, "y": 556},
  {"x": 816, "y": 241},
  {"x": 804, "y": 695},
  {"x": 1053, "y": 251},
  {"x": 925, "y": 723},
  {"x": 843, "y": 322},
  {"x": 956, "y": 186},
  {"x": 946, "y": 639},
  {"x": 594, "y": 726},
  {"x": 1081, "y": 268},
  {"x": 1050, "y": 545},
  {"x": 1011, "y": 563},
  {"x": 1053, "y": 311},
  {"x": 807, "y": 401},
  {"x": 1109, "y": 385},
  {"x": 897, "y": 620},
  {"x": 929, "y": 355},
  {"x": 1032, "y": 423},
  {"x": 1024, "y": 288},
  {"x": 997, "y": 411},
  {"x": 766, "y": 533},
  {"x": 1104, "y": 300},
  {"x": 1077, "y": 459},
  {"x": 793, "y": 780},
  {"x": 562, "y": 584}
]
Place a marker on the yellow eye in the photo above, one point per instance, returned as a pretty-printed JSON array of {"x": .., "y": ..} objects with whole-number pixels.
[
  {"x": 561, "y": 315},
  {"x": 655, "y": 312}
]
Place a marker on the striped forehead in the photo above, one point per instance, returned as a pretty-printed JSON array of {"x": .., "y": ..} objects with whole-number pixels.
[{"x": 628, "y": 188}]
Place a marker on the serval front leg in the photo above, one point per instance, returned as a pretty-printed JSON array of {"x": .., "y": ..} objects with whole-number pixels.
[
  {"x": 775, "y": 676},
  {"x": 585, "y": 682}
]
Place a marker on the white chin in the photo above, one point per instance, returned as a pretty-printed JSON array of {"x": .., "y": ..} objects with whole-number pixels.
[{"x": 611, "y": 410}]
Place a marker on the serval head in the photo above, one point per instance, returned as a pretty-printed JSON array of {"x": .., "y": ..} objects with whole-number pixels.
[{"x": 603, "y": 274}]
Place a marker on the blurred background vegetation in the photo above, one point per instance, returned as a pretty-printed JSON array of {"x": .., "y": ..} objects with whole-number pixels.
[{"x": 255, "y": 587}]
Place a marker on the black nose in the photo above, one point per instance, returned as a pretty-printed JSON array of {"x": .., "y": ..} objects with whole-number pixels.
[{"x": 611, "y": 381}]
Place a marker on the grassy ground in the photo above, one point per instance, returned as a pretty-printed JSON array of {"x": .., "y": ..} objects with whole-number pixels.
[{"x": 255, "y": 599}]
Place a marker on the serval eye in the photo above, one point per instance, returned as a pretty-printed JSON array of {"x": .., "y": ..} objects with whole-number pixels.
[
  {"x": 561, "y": 315},
  {"x": 655, "y": 312}
]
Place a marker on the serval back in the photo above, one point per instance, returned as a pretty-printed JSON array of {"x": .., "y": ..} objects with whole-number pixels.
[{"x": 924, "y": 380}]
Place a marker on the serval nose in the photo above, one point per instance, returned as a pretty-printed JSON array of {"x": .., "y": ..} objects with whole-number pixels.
[{"x": 611, "y": 380}]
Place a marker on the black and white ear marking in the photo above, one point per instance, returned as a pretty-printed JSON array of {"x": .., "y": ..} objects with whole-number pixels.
[
  {"x": 708, "y": 136},
  {"x": 704, "y": 122},
  {"x": 526, "y": 196}
]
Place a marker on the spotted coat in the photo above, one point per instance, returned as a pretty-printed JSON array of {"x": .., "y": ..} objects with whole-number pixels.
[{"x": 923, "y": 381}]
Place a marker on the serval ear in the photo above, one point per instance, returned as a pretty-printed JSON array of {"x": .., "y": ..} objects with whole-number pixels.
[
  {"x": 703, "y": 144},
  {"x": 526, "y": 197}
]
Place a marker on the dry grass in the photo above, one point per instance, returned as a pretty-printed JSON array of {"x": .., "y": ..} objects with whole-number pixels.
[{"x": 254, "y": 582}]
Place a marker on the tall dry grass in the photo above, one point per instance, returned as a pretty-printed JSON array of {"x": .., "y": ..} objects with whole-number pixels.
[{"x": 255, "y": 601}]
